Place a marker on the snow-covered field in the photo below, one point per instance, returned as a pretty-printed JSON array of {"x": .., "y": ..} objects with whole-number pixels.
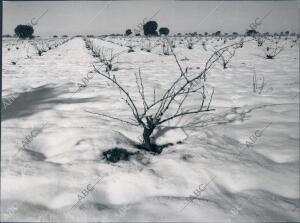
[{"x": 63, "y": 162}]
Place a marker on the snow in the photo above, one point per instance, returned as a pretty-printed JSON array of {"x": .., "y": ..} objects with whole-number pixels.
[{"x": 259, "y": 184}]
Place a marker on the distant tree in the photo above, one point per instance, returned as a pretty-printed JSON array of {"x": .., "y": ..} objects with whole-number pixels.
[
  {"x": 90, "y": 36},
  {"x": 293, "y": 34},
  {"x": 66, "y": 36},
  {"x": 275, "y": 34},
  {"x": 150, "y": 28},
  {"x": 287, "y": 33},
  {"x": 164, "y": 31},
  {"x": 218, "y": 33},
  {"x": 178, "y": 34},
  {"x": 55, "y": 36},
  {"x": 137, "y": 34},
  {"x": 24, "y": 31},
  {"x": 281, "y": 34},
  {"x": 251, "y": 32},
  {"x": 205, "y": 34},
  {"x": 225, "y": 34},
  {"x": 6, "y": 35},
  {"x": 128, "y": 32},
  {"x": 235, "y": 34}
]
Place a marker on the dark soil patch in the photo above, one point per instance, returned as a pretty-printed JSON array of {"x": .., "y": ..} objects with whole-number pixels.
[
  {"x": 116, "y": 154},
  {"x": 186, "y": 157},
  {"x": 156, "y": 149}
]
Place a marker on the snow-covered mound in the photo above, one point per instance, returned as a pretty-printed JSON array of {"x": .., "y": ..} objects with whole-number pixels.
[{"x": 60, "y": 175}]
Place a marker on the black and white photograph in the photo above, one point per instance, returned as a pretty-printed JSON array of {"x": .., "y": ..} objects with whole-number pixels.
[{"x": 150, "y": 111}]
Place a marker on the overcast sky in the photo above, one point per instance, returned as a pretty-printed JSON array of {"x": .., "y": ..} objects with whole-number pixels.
[{"x": 104, "y": 17}]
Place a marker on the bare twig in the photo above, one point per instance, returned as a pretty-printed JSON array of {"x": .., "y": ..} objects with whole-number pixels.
[{"x": 108, "y": 116}]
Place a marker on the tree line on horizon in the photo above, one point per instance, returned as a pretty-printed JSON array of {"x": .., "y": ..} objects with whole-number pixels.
[{"x": 149, "y": 29}]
